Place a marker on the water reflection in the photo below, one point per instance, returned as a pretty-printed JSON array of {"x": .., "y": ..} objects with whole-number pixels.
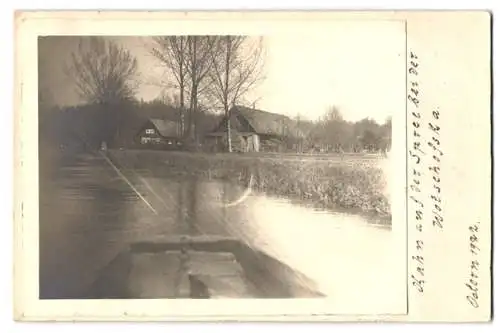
[
  {"x": 81, "y": 218},
  {"x": 191, "y": 188},
  {"x": 89, "y": 217}
]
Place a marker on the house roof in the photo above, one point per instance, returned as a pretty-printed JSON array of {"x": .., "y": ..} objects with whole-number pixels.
[
  {"x": 138, "y": 117},
  {"x": 264, "y": 122},
  {"x": 166, "y": 128}
]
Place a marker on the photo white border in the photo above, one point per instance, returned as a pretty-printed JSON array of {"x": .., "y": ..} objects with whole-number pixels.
[
  {"x": 415, "y": 313},
  {"x": 32, "y": 25}
]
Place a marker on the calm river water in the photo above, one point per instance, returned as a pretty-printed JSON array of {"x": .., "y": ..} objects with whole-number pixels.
[{"x": 89, "y": 214}]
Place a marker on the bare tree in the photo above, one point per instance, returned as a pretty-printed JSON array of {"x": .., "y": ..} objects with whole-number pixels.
[
  {"x": 332, "y": 114},
  {"x": 105, "y": 75},
  {"x": 171, "y": 51},
  {"x": 104, "y": 72},
  {"x": 187, "y": 59},
  {"x": 236, "y": 68},
  {"x": 198, "y": 65},
  {"x": 332, "y": 130}
]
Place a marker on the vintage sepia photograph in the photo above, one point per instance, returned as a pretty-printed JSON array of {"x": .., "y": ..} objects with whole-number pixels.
[
  {"x": 258, "y": 166},
  {"x": 220, "y": 166},
  {"x": 232, "y": 166}
]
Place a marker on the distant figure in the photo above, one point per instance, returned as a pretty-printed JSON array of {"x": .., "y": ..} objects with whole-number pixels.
[
  {"x": 341, "y": 152},
  {"x": 198, "y": 289}
]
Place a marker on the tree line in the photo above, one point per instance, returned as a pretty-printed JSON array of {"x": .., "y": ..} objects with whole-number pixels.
[
  {"x": 201, "y": 74},
  {"x": 332, "y": 132},
  {"x": 213, "y": 72}
]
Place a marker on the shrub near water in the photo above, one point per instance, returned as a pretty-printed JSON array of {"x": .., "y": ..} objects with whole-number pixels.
[
  {"x": 353, "y": 184},
  {"x": 327, "y": 185}
]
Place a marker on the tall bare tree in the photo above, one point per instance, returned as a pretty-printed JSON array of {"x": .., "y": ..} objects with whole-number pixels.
[
  {"x": 104, "y": 72},
  {"x": 188, "y": 60},
  {"x": 105, "y": 76},
  {"x": 171, "y": 51},
  {"x": 199, "y": 64},
  {"x": 236, "y": 69}
]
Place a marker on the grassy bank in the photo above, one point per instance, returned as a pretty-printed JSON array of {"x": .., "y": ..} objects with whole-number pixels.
[{"x": 351, "y": 183}]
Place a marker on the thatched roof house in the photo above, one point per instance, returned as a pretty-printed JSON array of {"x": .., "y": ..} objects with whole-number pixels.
[
  {"x": 165, "y": 119},
  {"x": 138, "y": 117},
  {"x": 263, "y": 123},
  {"x": 254, "y": 126},
  {"x": 166, "y": 128},
  {"x": 160, "y": 133}
]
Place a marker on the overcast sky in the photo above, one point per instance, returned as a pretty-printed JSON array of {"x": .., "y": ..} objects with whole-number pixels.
[{"x": 360, "y": 68}]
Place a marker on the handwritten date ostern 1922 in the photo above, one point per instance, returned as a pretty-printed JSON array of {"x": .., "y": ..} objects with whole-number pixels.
[{"x": 472, "y": 284}]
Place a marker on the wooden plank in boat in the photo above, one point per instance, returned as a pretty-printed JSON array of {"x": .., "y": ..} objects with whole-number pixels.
[
  {"x": 221, "y": 273},
  {"x": 154, "y": 275}
]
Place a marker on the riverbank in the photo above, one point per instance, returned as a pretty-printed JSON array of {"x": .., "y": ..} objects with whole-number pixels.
[
  {"x": 355, "y": 183},
  {"x": 87, "y": 223}
]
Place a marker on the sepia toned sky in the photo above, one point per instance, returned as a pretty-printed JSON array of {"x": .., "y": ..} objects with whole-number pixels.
[{"x": 358, "y": 67}]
